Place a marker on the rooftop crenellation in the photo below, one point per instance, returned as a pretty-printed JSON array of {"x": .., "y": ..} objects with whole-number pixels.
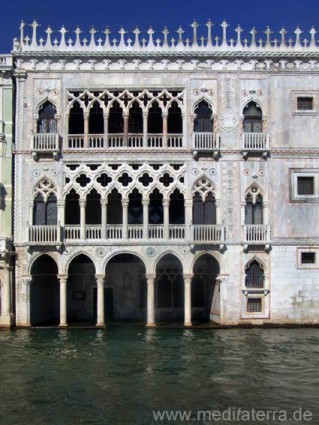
[{"x": 206, "y": 37}]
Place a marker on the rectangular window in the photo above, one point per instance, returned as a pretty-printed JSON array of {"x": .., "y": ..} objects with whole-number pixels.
[
  {"x": 254, "y": 305},
  {"x": 304, "y": 103},
  {"x": 308, "y": 258},
  {"x": 305, "y": 185}
]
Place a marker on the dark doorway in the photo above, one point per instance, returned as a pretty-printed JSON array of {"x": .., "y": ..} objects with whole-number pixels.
[
  {"x": 80, "y": 291},
  {"x": 205, "y": 270},
  {"x": 44, "y": 292},
  {"x": 126, "y": 284}
]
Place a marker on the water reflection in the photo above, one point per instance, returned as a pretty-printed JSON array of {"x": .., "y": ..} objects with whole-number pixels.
[{"x": 120, "y": 375}]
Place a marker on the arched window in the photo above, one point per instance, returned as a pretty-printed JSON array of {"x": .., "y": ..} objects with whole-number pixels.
[
  {"x": 45, "y": 204},
  {"x": 155, "y": 209},
  {"x": 252, "y": 118},
  {"x": 203, "y": 122},
  {"x": 135, "y": 208},
  {"x": 76, "y": 119},
  {"x": 155, "y": 119},
  {"x": 174, "y": 119},
  {"x": 93, "y": 208},
  {"x": 135, "y": 121},
  {"x": 254, "y": 277},
  {"x": 254, "y": 209},
  {"x": 176, "y": 208},
  {"x": 204, "y": 203},
  {"x": 45, "y": 212},
  {"x": 96, "y": 120},
  {"x": 204, "y": 212},
  {"x": 72, "y": 208},
  {"x": 116, "y": 123},
  {"x": 114, "y": 208},
  {"x": 47, "y": 122}
]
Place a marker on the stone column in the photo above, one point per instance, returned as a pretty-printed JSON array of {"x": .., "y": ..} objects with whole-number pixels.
[
  {"x": 188, "y": 203},
  {"x": 145, "y": 203},
  {"x": 25, "y": 298},
  {"x": 103, "y": 218},
  {"x": 150, "y": 300},
  {"x": 164, "y": 115},
  {"x": 125, "y": 202},
  {"x": 218, "y": 212},
  {"x": 86, "y": 130},
  {"x": 188, "y": 299},
  {"x": 61, "y": 213},
  {"x": 106, "y": 130},
  {"x": 166, "y": 218},
  {"x": 125, "y": 128},
  {"x": 5, "y": 273},
  {"x": 82, "y": 219},
  {"x": 145, "y": 129},
  {"x": 100, "y": 278},
  {"x": 63, "y": 300},
  {"x": 66, "y": 131},
  {"x": 184, "y": 143}
]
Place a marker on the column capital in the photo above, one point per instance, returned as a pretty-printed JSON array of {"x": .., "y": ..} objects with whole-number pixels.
[
  {"x": 145, "y": 202},
  {"x": 150, "y": 276},
  {"x": 164, "y": 114},
  {"x": 104, "y": 201},
  {"x": 221, "y": 277},
  {"x": 26, "y": 280},
  {"x": 62, "y": 278},
  {"x": 82, "y": 202},
  {"x": 125, "y": 202},
  {"x": 100, "y": 278},
  {"x": 61, "y": 203},
  {"x": 188, "y": 276},
  {"x": 188, "y": 202},
  {"x": 166, "y": 202}
]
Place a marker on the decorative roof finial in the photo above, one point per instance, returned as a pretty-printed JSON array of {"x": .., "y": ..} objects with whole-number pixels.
[
  {"x": 195, "y": 25},
  {"x": 34, "y": 26},
  {"x": 165, "y": 33},
  {"x": 239, "y": 30},
  {"x": 313, "y": 40},
  {"x": 224, "y": 25},
  {"x": 136, "y": 32},
  {"x": 209, "y": 26},
  {"x": 22, "y": 25},
  {"x": 283, "y": 33}
]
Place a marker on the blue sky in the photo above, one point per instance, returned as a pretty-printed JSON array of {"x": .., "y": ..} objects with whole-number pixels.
[{"x": 172, "y": 13}]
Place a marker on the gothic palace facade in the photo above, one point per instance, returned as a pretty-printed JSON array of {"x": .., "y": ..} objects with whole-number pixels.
[{"x": 160, "y": 178}]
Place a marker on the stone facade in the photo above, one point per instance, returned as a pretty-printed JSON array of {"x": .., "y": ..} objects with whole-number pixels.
[
  {"x": 6, "y": 144},
  {"x": 166, "y": 180}
]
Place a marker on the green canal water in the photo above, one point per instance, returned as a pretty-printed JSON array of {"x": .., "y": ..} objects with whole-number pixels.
[{"x": 123, "y": 374}]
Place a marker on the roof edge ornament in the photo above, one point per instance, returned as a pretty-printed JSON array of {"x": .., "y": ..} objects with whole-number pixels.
[{"x": 199, "y": 41}]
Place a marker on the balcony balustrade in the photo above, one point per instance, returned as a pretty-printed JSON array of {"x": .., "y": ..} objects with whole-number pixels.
[
  {"x": 45, "y": 143},
  {"x": 206, "y": 142},
  {"x": 118, "y": 140},
  {"x": 208, "y": 233},
  {"x": 257, "y": 234},
  {"x": 44, "y": 235},
  {"x": 255, "y": 143}
]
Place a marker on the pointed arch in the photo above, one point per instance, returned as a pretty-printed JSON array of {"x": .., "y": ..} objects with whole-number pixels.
[
  {"x": 253, "y": 117},
  {"x": 76, "y": 117},
  {"x": 46, "y": 122},
  {"x": 155, "y": 117},
  {"x": 96, "y": 117},
  {"x": 254, "y": 274},
  {"x": 204, "y": 121},
  {"x": 254, "y": 204},
  {"x": 116, "y": 121},
  {"x": 174, "y": 118}
]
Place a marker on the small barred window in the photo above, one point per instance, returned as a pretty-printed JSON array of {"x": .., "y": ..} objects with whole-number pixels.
[
  {"x": 305, "y": 103},
  {"x": 254, "y": 305},
  {"x": 308, "y": 258},
  {"x": 305, "y": 185}
]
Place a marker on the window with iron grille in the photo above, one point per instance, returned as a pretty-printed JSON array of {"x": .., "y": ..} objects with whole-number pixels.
[
  {"x": 305, "y": 185},
  {"x": 204, "y": 212},
  {"x": 254, "y": 211},
  {"x": 254, "y": 276},
  {"x": 47, "y": 122},
  {"x": 304, "y": 103},
  {"x": 308, "y": 258},
  {"x": 45, "y": 213},
  {"x": 254, "y": 305},
  {"x": 203, "y": 121},
  {"x": 252, "y": 118}
]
